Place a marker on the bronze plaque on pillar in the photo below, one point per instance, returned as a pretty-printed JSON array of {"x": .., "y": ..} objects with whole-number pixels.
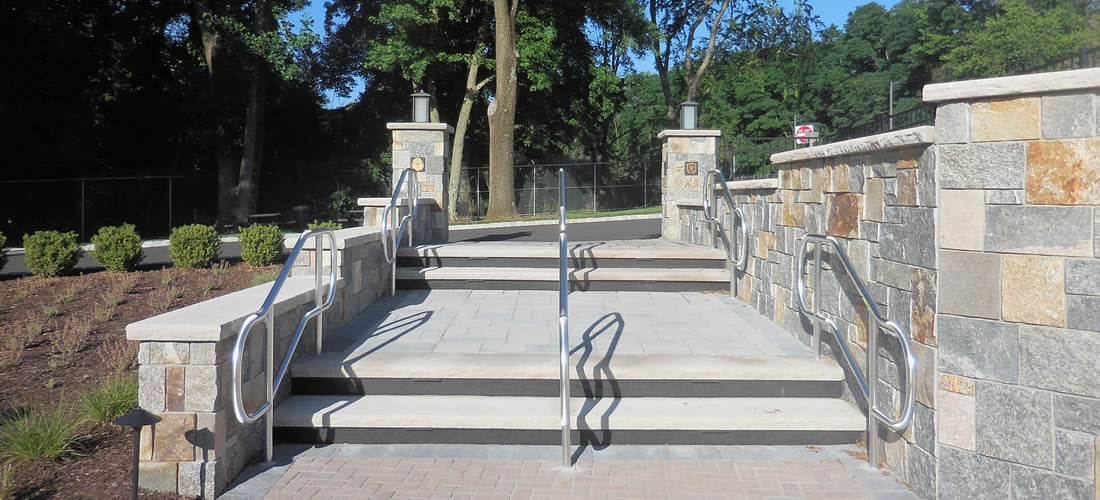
[
  {"x": 417, "y": 164},
  {"x": 691, "y": 168}
]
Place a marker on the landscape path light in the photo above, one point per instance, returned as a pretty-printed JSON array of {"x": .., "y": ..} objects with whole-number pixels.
[{"x": 136, "y": 419}]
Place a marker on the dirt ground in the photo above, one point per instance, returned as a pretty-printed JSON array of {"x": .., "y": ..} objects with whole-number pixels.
[{"x": 55, "y": 365}]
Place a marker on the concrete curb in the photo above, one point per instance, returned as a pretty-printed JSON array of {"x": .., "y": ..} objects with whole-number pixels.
[{"x": 491, "y": 225}]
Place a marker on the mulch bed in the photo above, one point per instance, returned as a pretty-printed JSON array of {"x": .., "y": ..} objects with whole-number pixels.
[{"x": 41, "y": 378}]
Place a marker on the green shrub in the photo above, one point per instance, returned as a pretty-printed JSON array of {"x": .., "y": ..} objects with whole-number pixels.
[
  {"x": 50, "y": 253},
  {"x": 3, "y": 251},
  {"x": 261, "y": 245},
  {"x": 111, "y": 399},
  {"x": 41, "y": 436},
  {"x": 264, "y": 277},
  {"x": 118, "y": 248},
  {"x": 333, "y": 225},
  {"x": 193, "y": 246}
]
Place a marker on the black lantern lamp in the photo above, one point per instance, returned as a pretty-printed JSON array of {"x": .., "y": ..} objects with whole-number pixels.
[
  {"x": 421, "y": 101},
  {"x": 689, "y": 115},
  {"x": 136, "y": 419}
]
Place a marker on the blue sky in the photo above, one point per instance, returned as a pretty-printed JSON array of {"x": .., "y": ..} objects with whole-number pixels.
[{"x": 831, "y": 12}]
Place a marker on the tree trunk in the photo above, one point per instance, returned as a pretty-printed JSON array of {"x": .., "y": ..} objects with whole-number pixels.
[
  {"x": 252, "y": 155},
  {"x": 660, "y": 61},
  {"x": 459, "y": 144},
  {"x": 502, "y": 115}
]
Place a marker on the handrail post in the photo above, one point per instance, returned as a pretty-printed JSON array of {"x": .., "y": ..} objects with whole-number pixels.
[
  {"x": 563, "y": 323},
  {"x": 318, "y": 251},
  {"x": 816, "y": 342},
  {"x": 269, "y": 387},
  {"x": 872, "y": 394}
]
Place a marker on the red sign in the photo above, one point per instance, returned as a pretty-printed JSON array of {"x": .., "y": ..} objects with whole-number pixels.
[{"x": 803, "y": 133}]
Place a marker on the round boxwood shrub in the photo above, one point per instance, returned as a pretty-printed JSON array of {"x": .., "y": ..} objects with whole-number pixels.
[
  {"x": 51, "y": 253},
  {"x": 194, "y": 246},
  {"x": 3, "y": 251},
  {"x": 118, "y": 248},
  {"x": 261, "y": 244}
]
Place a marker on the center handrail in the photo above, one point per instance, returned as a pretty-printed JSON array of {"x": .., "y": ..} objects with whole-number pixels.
[
  {"x": 563, "y": 322},
  {"x": 879, "y": 321},
  {"x": 710, "y": 212},
  {"x": 273, "y": 380},
  {"x": 412, "y": 195}
]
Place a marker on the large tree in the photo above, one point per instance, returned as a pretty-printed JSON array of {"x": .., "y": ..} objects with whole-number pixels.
[{"x": 502, "y": 113}]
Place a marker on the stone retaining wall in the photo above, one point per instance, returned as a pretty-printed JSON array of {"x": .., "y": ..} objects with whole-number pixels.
[
  {"x": 184, "y": 367},
  {"x": 981, "y": 237}
]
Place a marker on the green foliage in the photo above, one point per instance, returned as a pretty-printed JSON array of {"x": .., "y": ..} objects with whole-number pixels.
[
  {"x": 333, "y": 225},
  {"x": 111, "y": 399},
  {"x": 39, "y": 436},
  {"x": 261, "y": 244},
  {"x": 51, "y": 253},
  {"x": 3, "y": 251},
  {"x": 193, "y": 246},
  {"x": 117, "y": 248},
  {"x": 264, "y": 277}
]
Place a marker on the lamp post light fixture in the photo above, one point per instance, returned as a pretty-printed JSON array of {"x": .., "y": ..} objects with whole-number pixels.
[
  {"x": 421, "y": 101},
  {"x": 689, "y": 115},
  {"x": 136, "y": 419}
]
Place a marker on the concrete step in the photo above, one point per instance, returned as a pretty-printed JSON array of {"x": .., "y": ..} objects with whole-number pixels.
[
  {"x": 535, "y": 420},
  {"x": 610, "y": 279},
  {"x": 527, "y": 374},
  {"x": 581, "y": 256}
]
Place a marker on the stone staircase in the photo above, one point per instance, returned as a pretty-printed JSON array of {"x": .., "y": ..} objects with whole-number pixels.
[
  {"x": 638, "y": 265},
  {"x": 754, "y": 384}
]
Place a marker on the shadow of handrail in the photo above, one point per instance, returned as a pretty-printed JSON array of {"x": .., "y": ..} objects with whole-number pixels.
[{"x": 594, "y": 387}]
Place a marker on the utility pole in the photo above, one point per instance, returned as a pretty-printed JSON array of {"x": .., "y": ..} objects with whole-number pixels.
[{"x": 892, "y": 105}]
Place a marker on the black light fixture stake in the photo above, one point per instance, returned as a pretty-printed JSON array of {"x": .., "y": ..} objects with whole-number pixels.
[{"x": 136, "y": 419}]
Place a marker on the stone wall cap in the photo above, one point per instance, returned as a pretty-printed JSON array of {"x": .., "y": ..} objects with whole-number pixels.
[
  {"x": 689, "y": 203},
  {"x": 689, "y": 133},
  {"x": 898, "y": 139},
  {"x": 1013, "y": 85},
  {"x": 221, "y": 317},
  {"x": 750, "y": 184},
  {"x": 431, "y": 127},
  {"x": 345, "y": 238},
  {"x": 382, "y": 202}
]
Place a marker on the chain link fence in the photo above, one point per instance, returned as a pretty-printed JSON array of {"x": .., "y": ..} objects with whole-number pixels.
[{"x": 589, "y": 187}]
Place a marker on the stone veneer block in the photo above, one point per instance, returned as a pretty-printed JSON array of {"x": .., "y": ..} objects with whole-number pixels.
[
  {"x": 912, "y": 239},
  {"x": 923, "y": 307},
  {"x": 202, "y": 388},
  {"x": 1029, "y": 484},
  {"x": 955, "y": 420},
  {"x": 1005, "y": 120},
  {"x": 925, "y": 376},
  {"x": 982, "y": 166},
  {"x": 1077, "y": 413},
  {"x": 1067, "y": 116},
  {"x": 157, "y": 476},
  {"x": 1015, "y": 424},
  {"x": 1040, "y": 230},
  {"x": 1083, "y": 312},
  {"x": 921, "y": 477},
  {"x": 970, "y": 284},
  {"x": 171, "y": 441},
  {"x": 953, "y": 123},
  {"x": 843, "y": 218},
  {"x": 174, "y": 388},
  {"x": 962, "y": 219},
  {"x": 151, "y": 387},
  {"x": 907, "y": 188},
  {"x": 1033, "y": 290},
  {"x": 1060, "y": 360},
  {"x": 1063, "y": 172},
  {"x": 1004, "y": 197},
  {"x": 1083, "y": 276},
  {"x": 978, "y": 348},
  {"x": 957, "y": 384},
  {"x": 874, "y": 200},
  {"x": 972, "y": 477},
  {"x": 1074, "y": 453}
]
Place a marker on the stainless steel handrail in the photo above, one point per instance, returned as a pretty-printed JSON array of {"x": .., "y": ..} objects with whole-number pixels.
[
  {"x": 265, "y": 314},
  {"x": 412, "y": 195},
  {"x": 710, "y": 212},
  {"x": 563, "y": 322},
  {"x": 878, "y": 322}
]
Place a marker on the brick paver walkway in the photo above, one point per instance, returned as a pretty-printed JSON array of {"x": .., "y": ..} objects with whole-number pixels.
[{"x": 384, "y": 478}]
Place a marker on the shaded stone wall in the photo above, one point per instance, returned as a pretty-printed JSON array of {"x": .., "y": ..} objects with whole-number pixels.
[
  {"x": 981, "y": 237},
  {"x": 1019, "y": 314},
  {"x": 687, "y": 156},
  {"x": 184, "y": 368},
  {"x": 878, "y": 195}
]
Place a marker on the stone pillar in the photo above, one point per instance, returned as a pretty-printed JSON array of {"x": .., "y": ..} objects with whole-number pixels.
[
  {"x": 426, "y": 148},
  {"x": 686, "y": 157}
]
